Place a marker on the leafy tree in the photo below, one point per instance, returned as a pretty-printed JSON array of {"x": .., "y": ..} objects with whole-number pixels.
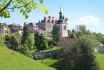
[
  {"x": 81, "y": 30},
  {"x": 25, "y": 34},
  {"x": 27, "y": 38},
  {"x": 40, "y": 42},
  {"x": 100, "y": 37},
  {"x": 30, "y": 41},
  {"x": 24, "y": 6},
  {"x": 24, "y": 50},
  {"x": 70, "y": 56},
  {"x": 36, "y": 37},
  {"x": 55, "y": 33},
  {"x": 81, "y": 56},
  {"x": 88, "y": 59},
  {"x": 43, "y": 44},
  {"x": 14, "y": 43}
]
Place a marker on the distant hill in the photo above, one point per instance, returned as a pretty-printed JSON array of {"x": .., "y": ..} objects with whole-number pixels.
[{"x": 11, "y": 60}]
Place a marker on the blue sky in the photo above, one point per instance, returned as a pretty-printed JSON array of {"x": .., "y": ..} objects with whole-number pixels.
[{"x": 88, "y": 12}]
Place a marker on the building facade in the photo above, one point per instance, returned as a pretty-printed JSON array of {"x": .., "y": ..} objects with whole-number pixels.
[
  {"x": 63, "y": 25},
  {"x": 4, "y": 29},
  {"x": 48, "y": 22},
  {"x": 32, "y": 27}
]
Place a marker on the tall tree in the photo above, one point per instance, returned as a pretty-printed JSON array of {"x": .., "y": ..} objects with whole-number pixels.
[
  {"x": 25, "y": 34},
  {"x": 30, "y": 41},
  {"x": 27, "y": 38},
  {"x": 24, "y": 6},
  {"x": 43, "y": 44},
  {"x": 36, "y": 37},
  {"x": 88, "y": 59},
  {"x": 55, "y": 33},
  {"x": 14, "y": 43}
]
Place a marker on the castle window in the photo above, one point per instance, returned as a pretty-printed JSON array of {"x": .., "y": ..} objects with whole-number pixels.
[
  {"x": 52, "y": 21},
  {"x": 48, "y": 20},
  {"x": 64, "y": 27}
]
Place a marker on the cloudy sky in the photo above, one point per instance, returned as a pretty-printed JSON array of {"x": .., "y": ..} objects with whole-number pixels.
[{"x": 88, "y": 12}]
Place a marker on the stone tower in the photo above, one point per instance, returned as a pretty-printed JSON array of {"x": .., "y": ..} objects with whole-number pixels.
[{"x": 62, "y": 24}]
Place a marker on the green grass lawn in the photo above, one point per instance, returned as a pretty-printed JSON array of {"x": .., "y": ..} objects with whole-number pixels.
[
  {"x": 100, "y": 58},
  {"x": 54, "y": 48},
  {"x": 11, "y": 60},
  {"x": 48, "y": 61}
]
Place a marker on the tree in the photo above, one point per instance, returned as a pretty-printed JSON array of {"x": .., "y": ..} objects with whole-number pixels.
[
  {"x": 14, "y": 43},
  {"x": 81, "y": 30},
  {"x": 24, "y": 50},
  {"x": 100, "y": 37},
  {"x": 36, "y": 38},
  {"x": 88, "y": 59},
  {"x": 70, "y": 57},
  {"x": 24, "y": 6},
  {"x": 25, "y": 34},
  {"x": 81, "y": 55},
  {"x": 55, "y": 33},
  {"x": 43, "y": 44},
  {"x": 30, "y": 41},
  {"x": 27, "y": 38}
]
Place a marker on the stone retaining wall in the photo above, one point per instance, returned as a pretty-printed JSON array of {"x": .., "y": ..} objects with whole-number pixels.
[{"x": 45, "y": 54}]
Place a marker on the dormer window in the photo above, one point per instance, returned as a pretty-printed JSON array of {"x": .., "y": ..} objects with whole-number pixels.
[
  {"x": 52, "y": 21},
  {"x": 48, "y": 20},
  {"x": 56, "y": 21}
]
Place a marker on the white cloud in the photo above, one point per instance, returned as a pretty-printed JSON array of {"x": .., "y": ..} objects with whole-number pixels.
[{"x": 88, "y": 20}]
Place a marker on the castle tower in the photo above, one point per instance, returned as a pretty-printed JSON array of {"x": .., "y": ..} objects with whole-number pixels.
[{"x": 63, "y": 25}]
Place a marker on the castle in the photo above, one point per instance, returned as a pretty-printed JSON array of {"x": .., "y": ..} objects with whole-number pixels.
[
  {"x": 43, "y": 26},
  {"x": 47, "y": 24}
]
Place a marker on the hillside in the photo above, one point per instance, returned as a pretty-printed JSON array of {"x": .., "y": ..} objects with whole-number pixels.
[
  {"x": 100, "y": 58},
  {"x": 11, "y": 60}
]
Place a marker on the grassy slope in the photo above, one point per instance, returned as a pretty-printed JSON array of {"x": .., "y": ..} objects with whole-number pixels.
[
  {"x": 100, "y": 58},
  {"x": 48, "y": 61},
  {"x": 11, "y": 60}
]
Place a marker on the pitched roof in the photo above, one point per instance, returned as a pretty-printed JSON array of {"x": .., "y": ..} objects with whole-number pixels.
[
  {"x": 16, "y": 25},
  {"x": 32, "y": 24}
]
